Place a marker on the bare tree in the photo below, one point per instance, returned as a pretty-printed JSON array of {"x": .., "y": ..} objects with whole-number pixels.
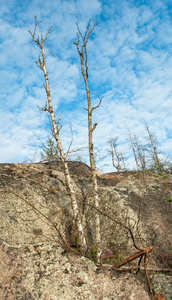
[
  {"x": 118, "y": 160},
  {"x": 41, "y": 63},
  {"x": 133, "y": 148},
  {"x": 153, "y": 150},
  {"x": 140, "y": 153},
  {"x": 82, "y": 51}
]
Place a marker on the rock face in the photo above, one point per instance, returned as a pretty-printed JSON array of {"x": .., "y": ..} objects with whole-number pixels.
[{"x": 35, "y": 266}]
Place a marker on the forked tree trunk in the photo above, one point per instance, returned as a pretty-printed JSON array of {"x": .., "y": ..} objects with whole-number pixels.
[
  {"x": 84, "y": 71},
  {"x": 134, "y": 152},
  {"x": 114, "y": 153},
  {"x": 77, "y": 216}
]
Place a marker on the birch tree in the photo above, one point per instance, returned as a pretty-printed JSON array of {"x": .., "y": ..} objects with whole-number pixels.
[
  {"x": 41, "y": 63},
  {"x": 82, "y": 51}
]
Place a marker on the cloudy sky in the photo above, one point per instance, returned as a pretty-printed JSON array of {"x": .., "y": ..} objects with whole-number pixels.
[{"x": 130, "y": 68}]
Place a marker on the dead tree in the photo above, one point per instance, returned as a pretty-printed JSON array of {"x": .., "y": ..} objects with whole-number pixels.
[
  {"x": 41, "y": 63},
  {"x": 133, "y": 149},
  {"x": 153, "y": 150},
  {"x": 140, "y": 153},
  {"x": 82, "y": 51},
  {"x": 115, "y": 154}
]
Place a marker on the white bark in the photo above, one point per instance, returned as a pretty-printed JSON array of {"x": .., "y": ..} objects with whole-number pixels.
[
  {"x": 42, "y": 65},
  {"x": 84, "y": 71},
  {"x": 134, "y": 152}
]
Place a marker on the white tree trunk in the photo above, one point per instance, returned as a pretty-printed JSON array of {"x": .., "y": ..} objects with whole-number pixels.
[
  {"x": 91, "y": 155},
  {"x": 77, "y": 216}
]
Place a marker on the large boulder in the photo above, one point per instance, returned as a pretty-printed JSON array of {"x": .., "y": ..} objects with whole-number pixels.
[{"x": 41, "y": 269}]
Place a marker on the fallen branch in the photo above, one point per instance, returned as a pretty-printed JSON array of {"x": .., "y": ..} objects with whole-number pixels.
[
  {"x": 134, "y": 256},
  {"x": 147, "y": 276},
  {"x": 142, "y": 268},
  {"x": 143, "y": 252}
]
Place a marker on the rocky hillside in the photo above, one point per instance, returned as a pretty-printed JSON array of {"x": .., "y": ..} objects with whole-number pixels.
[{"x": 33, "y": 263}]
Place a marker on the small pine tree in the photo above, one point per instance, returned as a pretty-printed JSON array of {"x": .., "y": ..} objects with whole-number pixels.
[{"x": 50, "y": 151}]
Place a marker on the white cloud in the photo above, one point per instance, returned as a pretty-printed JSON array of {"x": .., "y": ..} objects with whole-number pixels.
[{"x": 129, "y": 66}]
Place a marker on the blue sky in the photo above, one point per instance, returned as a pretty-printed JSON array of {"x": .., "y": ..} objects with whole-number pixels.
[{"x": 130, "y": 67}]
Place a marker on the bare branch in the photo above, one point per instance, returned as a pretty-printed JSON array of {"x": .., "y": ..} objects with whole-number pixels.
[
  {"x": 39, "y": 139},
  {"x": 134, "y": 256},
  {"x": 140, "y": 153},
  {"x": 76, "y": 150},
  {"x": 97, "y": 105},
  {"x": 39, "y": 212},
  {"x": 47, "y": 34},
  {"x": 117, "y": 222},
  {"x": 34, "y": 32},
  {"x": 70, "y": 126},
  {"x": 79, "y": 32},
  {"x": 114, "y": 153},
  {"x": 83, "y": 51},
  {"x": 95, "y": 125},
  {"x": 49, "y": 109},
  {"x": 39, "y": 65},
  {"x": 133, "y": 149}
]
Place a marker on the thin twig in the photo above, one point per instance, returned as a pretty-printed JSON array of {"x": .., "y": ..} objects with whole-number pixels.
[
  {"x": 116, "y": 221},
  {"x": 63, "y": 243}
]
